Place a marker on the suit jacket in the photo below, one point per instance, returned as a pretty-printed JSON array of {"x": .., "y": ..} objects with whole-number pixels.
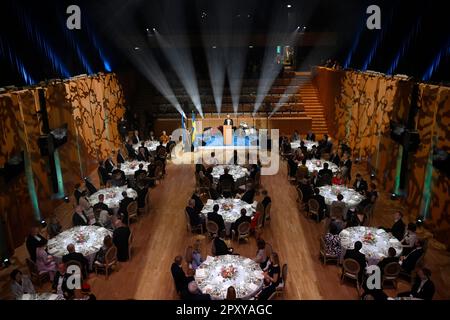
[
  {"x": 109, "y": 166},
  {"x": 66, "y": 291},
  {"x": 194, "y": 216},
  {"x": 321, "y": 200},
  {"x": 142, "y": 157},
  {"x": 359, "y": 257},
  {"x": 383, "y": 263},
  {"x": 131, "y": 151},
  {"x": 135, "y": 139},
  {"x": 103, "y": 173},
  {"x": 179, "y": 277},
  {"x": 311, "y": 137},
  {"x": 217, "y": 218},
  {"x": 248, "y": 196},
  {"x": 240, "y": 220},
  {"x": 120, "y": 240},
  {"x": 307, "y": 191},
  {"x": 325, "y": 171},
  {"x": 335, "y": 159},
  {"x": 221, "y": 247},
  {"x": 314, "y": 181},
  {"x": 409, "y": 263},
  {"x": 228, "y": 122},
  {"x": 138, "y": 172},
  {"x": 120, "y": 158},
  {"x": 32, "y": 244},
  {"x": 77, "y": 194},
  {"x": 348, "y": 164},
  {"x": 362, "y": 185},
  {"x": 91, "y": 188},
  {"x": 198, "y": 203},
  {"x": 398, "y": 229},
  {"x": 76, "y": 256},
  {"x": 123, "y": 206},
  {"x": 79, "y": 221},
  {"x": 427, "y": 291}
]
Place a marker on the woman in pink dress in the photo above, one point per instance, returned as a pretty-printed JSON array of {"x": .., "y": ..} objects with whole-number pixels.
[{"x": 45, "y": 262}]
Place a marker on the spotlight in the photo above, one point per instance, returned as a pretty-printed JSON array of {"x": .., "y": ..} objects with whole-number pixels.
[
  {"x": 136, "y": 48},
  {"x": 289, "y": 6},
  {"x": 393, "y": 196},
  {"x": 66, "y": 199},
  {"x": 154, "y": 29},
  {"x": 251, "y": 47},
  {"x": 43, "y": 223},
  {"x": 147, "y": 29},
  {"x": 372, "y": 176},
  {"x": 6, "y": 262},
  {"x": 304, "y": 28},
  {"x": 419, "y": 221},
  {"x": 298, "y": 27},
  {"x": 214, "y": 47}
]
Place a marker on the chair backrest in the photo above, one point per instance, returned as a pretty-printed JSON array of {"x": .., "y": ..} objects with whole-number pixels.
[
  {"x": 300, "y": 194},
  {"x": 313, "y": 205},
  {"x": 132, "y": 208},
  {"x": 351, "y": 266},
  {"x": 284, "y": 272},
  {"x": 337, "y": 212},
  {"x": 188, "y": 220},
  {"x": 259, "y": 223},
  {"x": 227, "y": 186},
  {"x": 212, "y": 227},
  {"x": 244, "y": 228},
  {"x": 188, "y": 254},
  {"x": 267, "y": 210},
  {"x": 111, "y": 255},
  {"x": 392, "y": 269},
  {"x": 323, "y": 246}
]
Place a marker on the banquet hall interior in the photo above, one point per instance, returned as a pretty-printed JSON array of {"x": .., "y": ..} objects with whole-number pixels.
[{"x": 222, "y": 150}]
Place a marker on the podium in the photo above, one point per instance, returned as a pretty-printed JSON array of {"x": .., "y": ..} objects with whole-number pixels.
[{"x": 227, "y": 135}]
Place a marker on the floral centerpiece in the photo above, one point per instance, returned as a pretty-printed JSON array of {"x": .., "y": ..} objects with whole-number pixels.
[
  {"x": 228, "y": 272},
  {"x": 80, "y": 238},
  {"x": 227, "y": 206},
  {"x": 335, "y": 189},
  {"x": 369, "y": 238},
  {"x": 110, "y": 195}
]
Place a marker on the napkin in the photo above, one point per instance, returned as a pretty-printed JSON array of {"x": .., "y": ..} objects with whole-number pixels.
[
  {"x": 248, "y": 261},
  {"x": 209, "y": 202},
  {"x": 252, "y": 286}
]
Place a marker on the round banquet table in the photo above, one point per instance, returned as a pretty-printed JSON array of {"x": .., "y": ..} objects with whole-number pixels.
[
  {"x": 351, "y": 197},
  {"x": 318, "y": 165},
  {"x": 130, "y": 167},
  {"x": 216, "y": 274},
  {"x": 41, "y": 296},
  {"x": 308, "y": 144},
  {"x": 239, "y": 173},
  {"x": 149, "y": 144},
  {"x": 229, "y": 209},
  {"x": 113, "y": 196},
  {"x": 376, "y": 242},
  {"x": 88, "y": 240}
]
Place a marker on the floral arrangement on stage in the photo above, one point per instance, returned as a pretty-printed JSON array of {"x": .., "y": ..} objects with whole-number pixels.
[
  {"x": 228, "y": 272},
  {"x": 369, "y": 238}
]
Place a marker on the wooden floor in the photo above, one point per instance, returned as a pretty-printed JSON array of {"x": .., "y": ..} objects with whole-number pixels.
[{"x": 161, "y": 235}]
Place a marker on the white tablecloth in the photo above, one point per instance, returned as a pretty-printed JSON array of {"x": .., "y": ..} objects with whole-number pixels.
[
  {"x": 130, "y": 167},
  {"x": 216, "y": 274},
  {"x": 318, "y": 165},
  {"x": 351, "y": 197},
  {"x": 113, "y": 196},
  {"x": 229, "y": 209},
  {"x": 308, "y": 144},
  {"x": 87, "y": 240},
  {"x": 41, "y": 296},
  {"x": 237, "y": 172},
  {"x": 376, "y": 242},
  {"x": 150, "y": 145}
]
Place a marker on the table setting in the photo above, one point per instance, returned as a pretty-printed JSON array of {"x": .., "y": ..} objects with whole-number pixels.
[
  {"x": 113, "y": 196},
  {"x": 308, "y": 144},
  {"x": 216, "y": 274},
  {"x": 149, "y": 144},
  {"x": 238, "y": 172},
  {"x": 316, "y": 164},
  {"x": 130, "y": 167},
  {"x": 352, "y": 198}
]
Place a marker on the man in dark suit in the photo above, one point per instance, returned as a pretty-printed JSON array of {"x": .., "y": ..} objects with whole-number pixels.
[
  {"x": 198, "y": 202},
  {"x": 243, "y": 218},
  {"x": 423, "y": 287},
  {"x": 321, "y": 200},
  {"x": 314, "y": 179},
  {"x": 146, "y": 152},
  {"x": 131, "y": 152},
  {"x": 109, "y": 165},
  {"x": 306, "y": 189},
  {"x": 334, "y": 158},
  {"x": 89, "y": 186},
  {"x": 123, "y": 206},
  {"x": 325, "y": 171},
  {"x": 194, "y": 216},
  {"x": 103, "y": 173},
  {"x": 100, "y": 205},
  {"x": 193, "y": 293},
  {"x": 360, "y": 184},
  {"x": 79, "y": 218},
  {"x": 120, "y": 157},
  {"x": 76, "y": 256},
  {"x": 59, "y": 284},
  {"x": 121, "y": 234},
  {"x": 310, "y": 136},
  {"x": 355, "y": 254},
  {"x": 228, "y": 121},
  {"x": 348, "y": 164},
  {"x": 249, "y": 195},
  {"x": 409, "y": 261},
  {"x": 220, "y": 245},
  {"x": 293, "y": 166},
  {"x": 78, "y": 192},
  {"x": 34, "y": 240},
  {"x": 398, "y": 228},
  {"x": 389, "y": 259},
  {"x": 179, "y": 277},
  {"x": 216, "y": 217},
  {"x": 135, "y": 138},
  {"x": 140, "y": 172},
  {"x": 226, "y": 179}
]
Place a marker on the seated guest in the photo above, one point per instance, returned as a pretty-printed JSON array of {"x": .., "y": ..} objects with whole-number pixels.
[
  {"x": 371, "y": 196},
  {"x": 146, "y": 152},
  {"x": 79, "y": 218},
  {"x": 357, "y": 219},
  {"x": 59, "y": 285},
  {"x": 339, "y": 204},
  {"x": 409, "y": 239},
  {"x": 78, "y": 257},
  {"x": 306, "y": 190},
  {"x": 334, "y": 158},
  {"x": 226, "y": 179},
  {"x": 321, "y": 200},
  {"x": 121, "y": 234},
  {"x": 140, "y": 172},
  {"x": 333, "y": 241},
  {"x": 179, "y": 277},
  {"x": 254, "y": 169},
  {"x": 261, "y": 255},
  {"x": 54, "y": 227},
  {"x": 197, "y": 258},
  {"x": 195, "y": 218},
  {"x": 118, "y": 177},
  {"x": 293, "y": 167},
  {"x": 90, "y": 186},
  {"x": 272, "y": 278},
  {"x": 243, "y": 218},
  {"x": 141, "y": 155},
  {"x": 109, "y": 165},
  {"x": 295, "y": 136},
  {"x": 123, "y": 205},
  {"x": 310, "y": 136},
  {"x": 266, "y": 200},
  {"x": 325, "y": 171},
  {"x": 84, "y": 202},
  {"x": 302, "y": 171},
  {"x": 198, "y": 201},
  {"x": 103, "y": 173},
  {"x": 220, "y": 246},
  {"x": 105, "y": 220},
  {"x": 193, "y": 293},
  {"x": 78, "y": 191},
  {"x": 389, "y": 259},
  {"x": 360, "y": 185},
  {"x": 21, "y": 284},
  {"x": 208, "y": 175},
  {"x": 408, "y": 261},
  {"x": 314, "y": 180},
  {"x": 337, "y": 180},
  {"x": 423, "y": 287},
  {"x": 45, "y": 262},
  {"x": 164, "y": 138},
  {"x": 231, "y": 293},
  {"x": 216, "y": 217},
  {"x": 101, "y": 205},
  {"x": 314, "y": 153},
  {"x": 130, "y": 150},
  {"x": 398, "y": 228},
  {"x": 135, "y": 138},
  {"x": 120, "y": 157},
  {"x": 356, "y": 254},
  {"x": 303, "y": 148},
  {"x": 249, "y": 194},
  {"x": 101, "y": 254},
  {"x": 34, "y": 240},
  {"x": 152, "y": 136}
]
